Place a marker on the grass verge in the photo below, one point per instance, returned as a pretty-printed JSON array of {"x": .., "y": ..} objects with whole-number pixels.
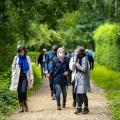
[{"x": 109, "y": 80}]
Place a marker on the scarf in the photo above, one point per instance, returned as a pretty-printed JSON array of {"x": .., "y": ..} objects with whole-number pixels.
[{"x": 23, "y": 61}]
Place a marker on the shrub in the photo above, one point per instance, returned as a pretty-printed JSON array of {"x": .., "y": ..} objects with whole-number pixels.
[{"x": 107, "y": 41}]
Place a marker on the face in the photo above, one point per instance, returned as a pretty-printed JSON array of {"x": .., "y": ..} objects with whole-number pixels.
[
  {"x": 76, "y": 52},
  {"x": 22, "y": 52},
  {"x": 61, "y": 54}
]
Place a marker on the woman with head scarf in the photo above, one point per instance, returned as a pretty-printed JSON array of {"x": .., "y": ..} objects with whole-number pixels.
[
  {"x": 22, "y": 77},
  {"x": 60, "y": 72}
]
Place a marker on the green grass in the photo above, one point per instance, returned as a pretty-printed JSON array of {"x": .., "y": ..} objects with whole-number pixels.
[
  {"x": 9, "y": 99},
  {"x": 109, "y": 80}
]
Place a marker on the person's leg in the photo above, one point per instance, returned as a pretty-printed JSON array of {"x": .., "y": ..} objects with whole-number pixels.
[
  {"x": 64, "y": 94},
  {"x": 52, "y": 88},
  {"x": 24, "y": 90},
  {"x": 20, "y": 95},
  {"x": 85, "y": 100},
  {"x": 92, "y": 63},
  {"x": 58, "y": 91},
  {"x": 41, "y": 70},
  {"x": 51, "y": 85},
  {"x": 79, "y": 100},
  {"x": 74, "y": 93}
]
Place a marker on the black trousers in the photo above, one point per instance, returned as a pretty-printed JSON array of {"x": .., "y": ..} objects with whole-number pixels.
[
  {"x": 22, "y": 90},
  {"x": 82, "y": 99},
  {"x": 73, "y": 91},
  {"x": 52, "y": 86},
  {"x": 91, "y": 62}
]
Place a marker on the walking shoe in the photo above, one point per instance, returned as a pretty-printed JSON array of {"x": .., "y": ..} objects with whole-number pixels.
[
  {"x": 58, "y": 107},
  {"x": 53, "y": 97},
  {"x": 85, "y": 111},
  {"x": 74, "y": 103},
  {"x": 64, "y": 105},
  {"x": 79, "y": 110}
]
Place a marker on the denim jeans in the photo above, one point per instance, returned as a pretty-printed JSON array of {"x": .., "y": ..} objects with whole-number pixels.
[{"x": 60, "y": 89}]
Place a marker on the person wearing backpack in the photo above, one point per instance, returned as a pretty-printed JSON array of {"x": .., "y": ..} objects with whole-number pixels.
[
  {"x": 51, "y": 55},
  {"x": 60, "y": 73},
  {"x": 90, "y": 55},
  {"x": 22, "y": 77}
]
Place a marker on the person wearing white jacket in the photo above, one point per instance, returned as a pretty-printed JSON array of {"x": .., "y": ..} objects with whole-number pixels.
[
  {"x": 73, "y": 70},
  {"x": 22, "y": 77}
]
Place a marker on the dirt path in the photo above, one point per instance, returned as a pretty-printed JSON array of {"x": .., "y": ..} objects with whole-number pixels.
[{"x": 42, "y": 107}]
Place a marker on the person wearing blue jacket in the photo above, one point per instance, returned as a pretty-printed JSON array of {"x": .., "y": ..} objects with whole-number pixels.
[
  {"x": 60, "y": 72},
  {"x": 51, "y": 55}
]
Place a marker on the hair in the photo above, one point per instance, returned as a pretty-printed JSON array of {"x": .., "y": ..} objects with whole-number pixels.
[
  {"x": 55, "y": 47},
  {"x": 21, "y": 48},
  {"x": 81, "y": 54}
]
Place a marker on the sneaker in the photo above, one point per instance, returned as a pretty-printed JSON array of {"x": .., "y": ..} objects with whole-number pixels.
[
  {"x": 79, "y": 110},
  {"x": 85, "y": 111},
  {"x": 58, "y": 107},
  {"x": 53, "y": 97}
]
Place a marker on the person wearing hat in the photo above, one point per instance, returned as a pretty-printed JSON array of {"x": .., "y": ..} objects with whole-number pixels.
[
  {"x": 22, "y": 77},
  {"x": 41, "y": 62},
  {"x": 51, "y": 55},
  {"x": 82, "y": 81},
  {"x": 60, "y": 72}
]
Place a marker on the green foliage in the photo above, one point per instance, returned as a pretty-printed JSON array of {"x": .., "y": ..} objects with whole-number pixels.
[
  {"x": 107, "y": 41},
  {"x": 34, "y": 56},
  {"x": 37, "y": 76},
  {"x": 109, "y": 80},
  {"x": 67, "y": 28},
  {"x": 42, "y": 36}
]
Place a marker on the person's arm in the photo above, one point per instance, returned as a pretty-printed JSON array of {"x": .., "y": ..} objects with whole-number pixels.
[
  {"x": 31, "y": 72},
  {"x": 72, "y": 64},
  {"x": 14, "y": 64},
  {"x": 84, "y": 65},
  {"x": 46, "y": 63}
]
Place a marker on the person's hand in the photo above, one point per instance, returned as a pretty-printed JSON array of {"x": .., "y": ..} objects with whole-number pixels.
[{"x": 65, "y": 73}]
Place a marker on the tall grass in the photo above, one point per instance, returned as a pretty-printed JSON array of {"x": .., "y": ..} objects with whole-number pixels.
[{"x": 109, "y": 80}]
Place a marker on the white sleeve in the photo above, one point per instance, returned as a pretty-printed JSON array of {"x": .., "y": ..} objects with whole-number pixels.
[{"x": 72, "y": 64}]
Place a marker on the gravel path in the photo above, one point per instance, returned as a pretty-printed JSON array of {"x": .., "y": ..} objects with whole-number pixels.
[{"x": 42, "y": 107}]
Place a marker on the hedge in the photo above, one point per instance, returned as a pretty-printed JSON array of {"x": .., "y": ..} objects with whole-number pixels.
[{"x": 107, "y": 42}]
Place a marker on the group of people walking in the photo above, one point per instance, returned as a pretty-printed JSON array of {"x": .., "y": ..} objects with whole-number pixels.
[{"x": 57, "y": 67}]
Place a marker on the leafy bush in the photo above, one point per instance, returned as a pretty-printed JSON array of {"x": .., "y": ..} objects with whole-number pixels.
[
  {"x": 34, "y": 56},
  {"x": 37, "y": 76},
  {"x": 110, "y": 81},
  {"x": 107, "y": 41}
]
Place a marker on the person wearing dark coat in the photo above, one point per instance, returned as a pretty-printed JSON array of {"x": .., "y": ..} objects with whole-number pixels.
[
  {"x": 60, "y": 73},
  {"x": 41, "y": 62}
]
